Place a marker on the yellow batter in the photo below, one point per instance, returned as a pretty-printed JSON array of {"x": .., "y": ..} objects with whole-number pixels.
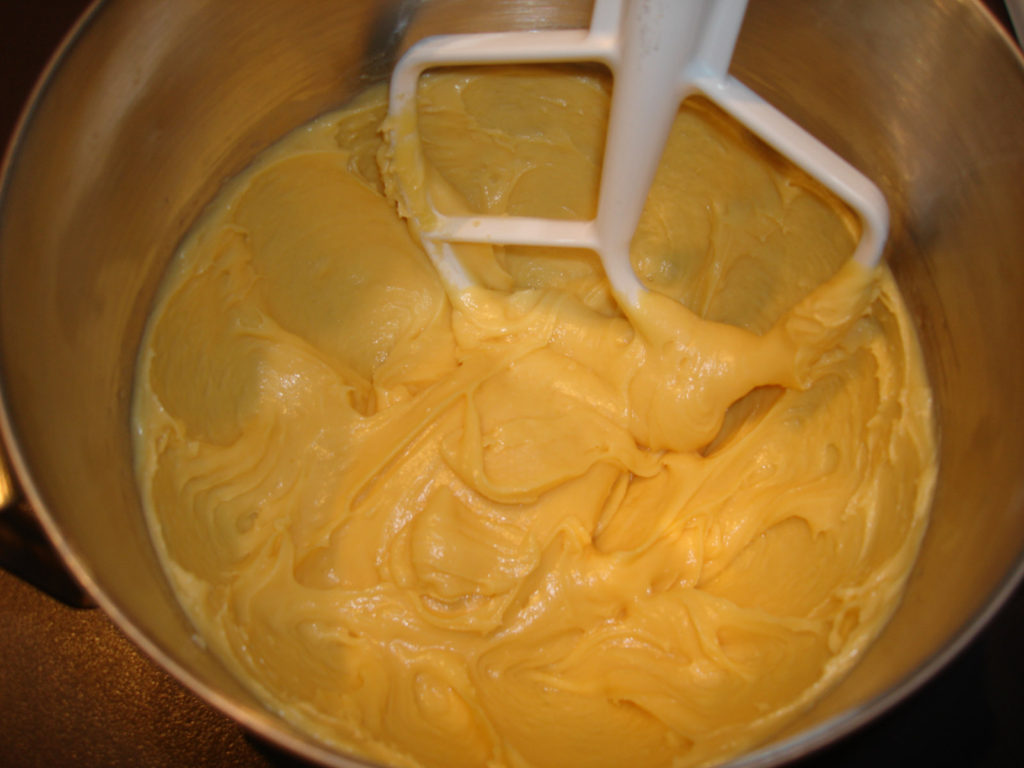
[{"x": 521, "y": 529}]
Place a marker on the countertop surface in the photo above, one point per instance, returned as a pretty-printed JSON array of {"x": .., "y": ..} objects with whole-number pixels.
[{"x": 74, "y": 691}]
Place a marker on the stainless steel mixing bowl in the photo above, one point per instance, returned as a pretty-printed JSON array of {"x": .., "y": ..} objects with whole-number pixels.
[{"x": 151, "y": 104}]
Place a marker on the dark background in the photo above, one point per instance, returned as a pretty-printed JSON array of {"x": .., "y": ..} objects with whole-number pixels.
[{"x": 75, "y": 692}]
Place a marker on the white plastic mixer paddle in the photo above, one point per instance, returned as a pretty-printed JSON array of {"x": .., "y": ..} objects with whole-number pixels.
[{"x": 659, "y": 52}]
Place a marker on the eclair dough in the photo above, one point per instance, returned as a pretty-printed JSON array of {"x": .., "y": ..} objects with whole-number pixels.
[{"x": 519, "y": 528}]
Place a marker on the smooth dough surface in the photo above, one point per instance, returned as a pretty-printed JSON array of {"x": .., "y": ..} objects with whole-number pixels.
[{"x": 520, "y": 528}]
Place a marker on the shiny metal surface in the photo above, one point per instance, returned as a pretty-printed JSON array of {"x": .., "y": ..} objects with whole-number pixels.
[{"x": 157, "y": 101}]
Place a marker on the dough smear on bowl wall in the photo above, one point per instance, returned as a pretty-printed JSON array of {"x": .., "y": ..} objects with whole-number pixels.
[{"x": 518, "y": 529}]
